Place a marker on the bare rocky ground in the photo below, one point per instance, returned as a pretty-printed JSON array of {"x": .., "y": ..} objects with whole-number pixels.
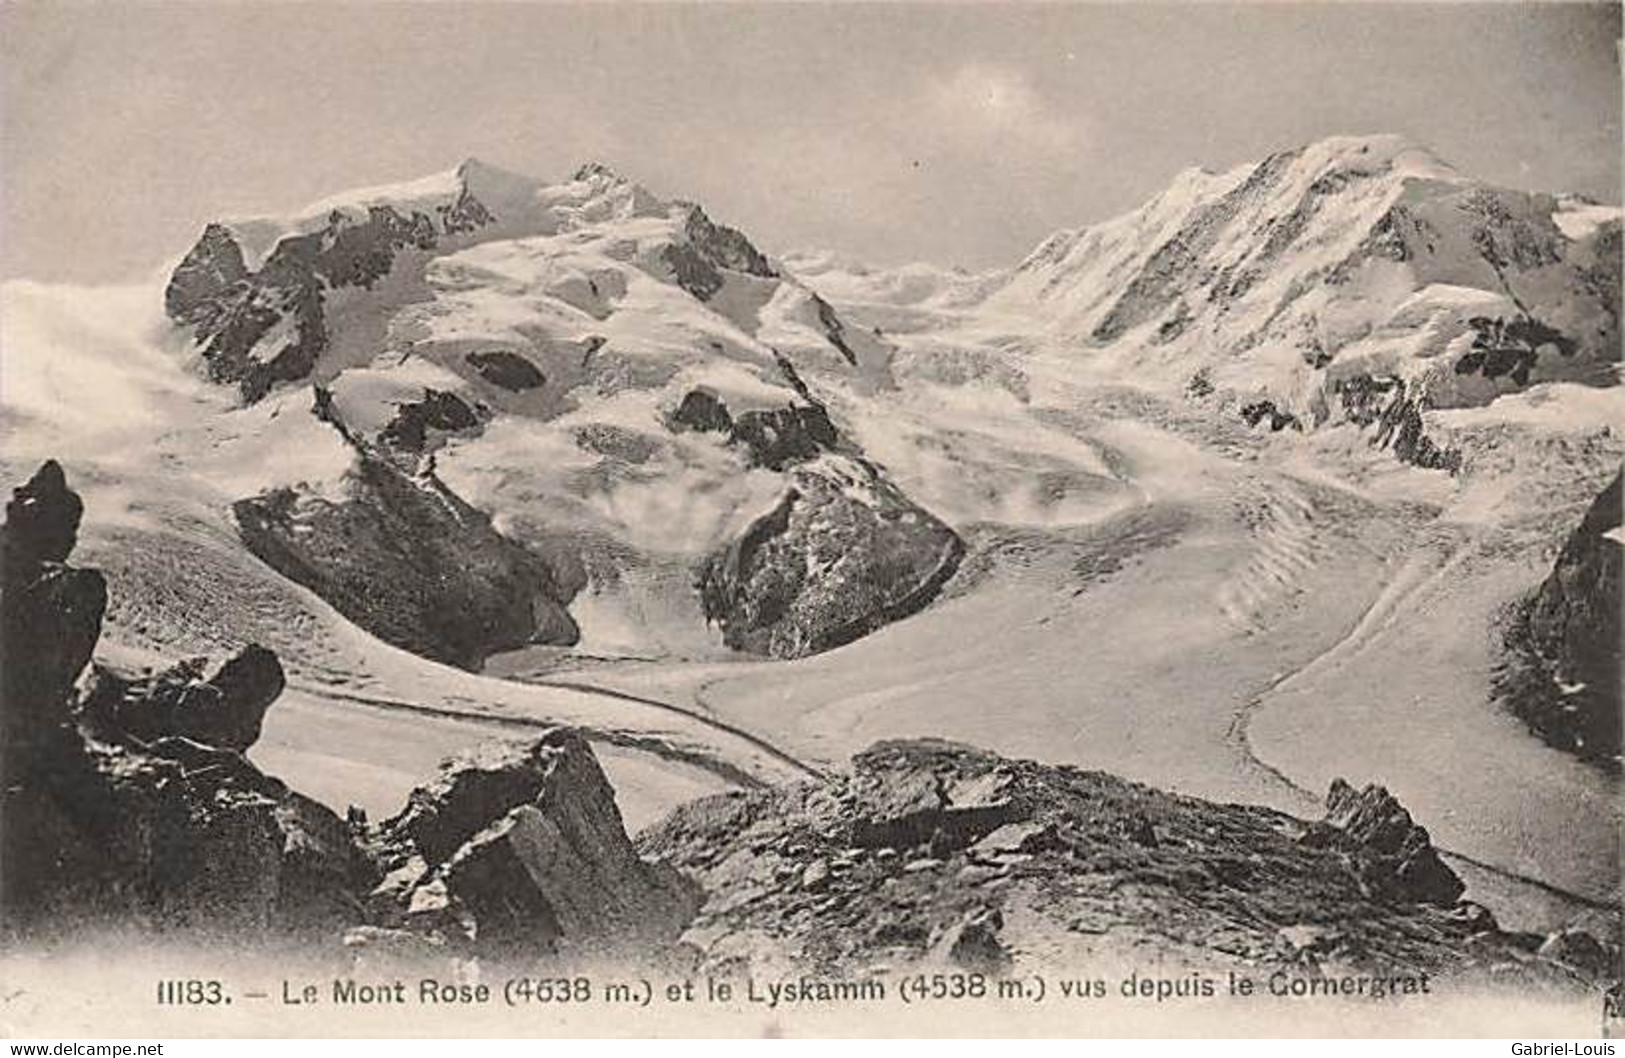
[{"x": 937, "y": 852}]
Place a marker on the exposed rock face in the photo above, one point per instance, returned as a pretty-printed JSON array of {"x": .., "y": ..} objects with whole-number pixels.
[
  {"x": 520, "y": 850},
  {"x": 220, "y": 705},
  {"x": 506, "y": 369},
  {"x": 1562, "y": 674},
  {"x": 725, "y": 247},
  {"x": 439, "y": 413},
  {"x": 773, "y": 438},
  {"x": 707, "y": 250},
  {"x": 691, "y": 271},
  {"x": 50, "y": 613},
  {"x": 1396, "y": 856},
  {"x": 163, "y": 822},
  {"x": 1387, "y": 404},
  {"x": 256, "y": 329},
  {"x": 843, "y": 553},
  {"x": 408, "y": 560},
  {"x": 939, "y": 852},
  {"x": 834, "y": 329},
  {"x": 1264, "y": 411},
  {"x": 1510, "y": 348},
  {"x": 779, "y": 438},
  {"x": 212, "y": 272},
  {"x": 702, "y": 410}
]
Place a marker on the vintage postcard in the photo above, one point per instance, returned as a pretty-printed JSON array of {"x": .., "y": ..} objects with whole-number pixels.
[{"x": 810, "y": 519}]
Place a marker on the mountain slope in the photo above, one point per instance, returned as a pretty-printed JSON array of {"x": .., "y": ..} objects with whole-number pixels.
[
  {"x": 1356, "y": 279},
  {"x": 534, "y": 347}
]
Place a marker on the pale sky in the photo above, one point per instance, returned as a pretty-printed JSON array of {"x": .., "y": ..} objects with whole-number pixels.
[{"x": 958, "y": 134}]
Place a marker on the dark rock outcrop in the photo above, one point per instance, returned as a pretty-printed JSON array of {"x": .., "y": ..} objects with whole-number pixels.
[
  {"x": 691, "y": 271},
  {"x": 1510, "y": 348},
  {"x": 843, "y": 553},
  {"x": 707, "y": 250},
  {"x": 1395, "y": 856},
  {"x": 162, "y": 823},
  {"x": 934, "y": 852},
  {"x": 834, "y": 329},
  {"x": 773, "y": 438},
  {"x": 439, "y": 412},
  {"x": 257, "y": 329},
  {"x": 221, "y": 705},
  {"x": 704, "y": 411},
  {"x": 778, "y": 438},
  {"x": 725, "y": 247},
  {"x": 50, "y": 614},
  {"x": 1396, "y": 414},
  {"x": 407, "y": 559},
  {"x": 1561, "y": 675},
  {"x": 506, "y": 369},
  {"x": 520, "y": 850},
  {"x": 1264, "y": 411}
]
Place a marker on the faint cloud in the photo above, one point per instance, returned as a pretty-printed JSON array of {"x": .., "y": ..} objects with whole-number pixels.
[{"x": 981, "y": 101}]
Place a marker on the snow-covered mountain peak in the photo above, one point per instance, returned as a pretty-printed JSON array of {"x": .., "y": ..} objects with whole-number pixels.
[
  {"x": 1377, "y": 153},
  {"x": 598, "y": 172}
]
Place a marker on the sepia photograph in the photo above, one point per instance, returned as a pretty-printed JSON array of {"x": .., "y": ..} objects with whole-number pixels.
[{"x": 810, "y": 519}]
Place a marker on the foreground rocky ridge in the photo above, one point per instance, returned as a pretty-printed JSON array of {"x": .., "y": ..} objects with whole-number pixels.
[
  {"x": 130, "y": 802},
  {"x": 938, "y": 852}
]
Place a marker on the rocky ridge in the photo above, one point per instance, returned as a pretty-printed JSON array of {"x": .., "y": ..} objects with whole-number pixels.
[
  {"x": 932, "y": 852},
  {"x": 130, "y": 801}
]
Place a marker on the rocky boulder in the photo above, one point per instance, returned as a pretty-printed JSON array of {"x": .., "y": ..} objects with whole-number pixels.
[
  {"x": 1394, "y": 854},
  {"x": 843, "y": 553},
  {"x": 217, "y": 704},
  {"x": 518, "y": 850}
]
